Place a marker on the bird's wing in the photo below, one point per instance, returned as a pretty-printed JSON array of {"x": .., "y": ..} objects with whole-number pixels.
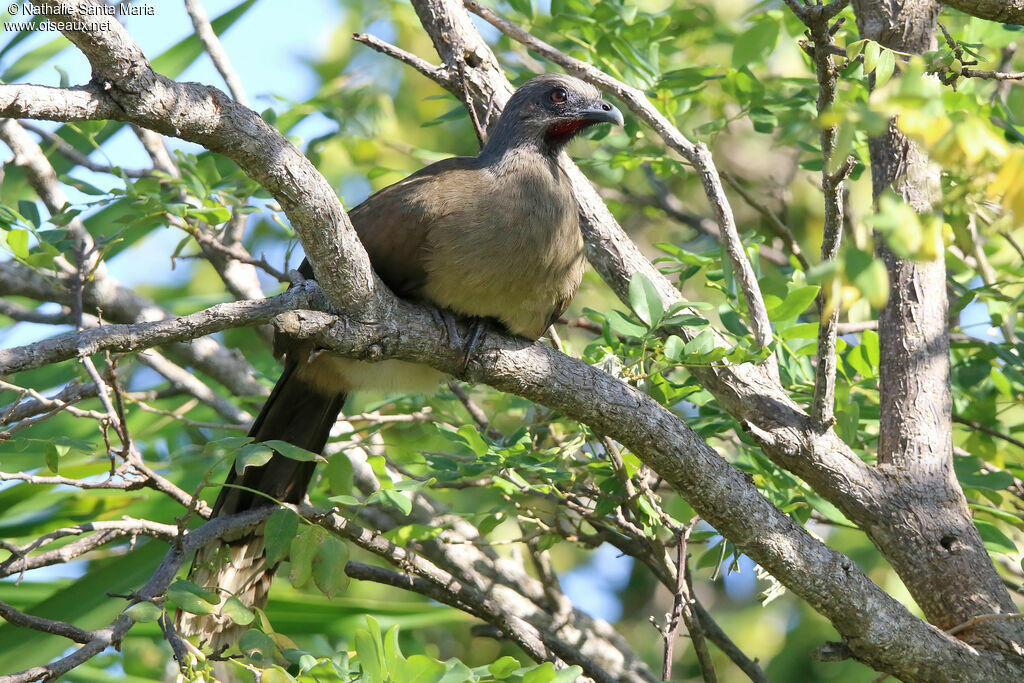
[{"x": 394, "y": 223}]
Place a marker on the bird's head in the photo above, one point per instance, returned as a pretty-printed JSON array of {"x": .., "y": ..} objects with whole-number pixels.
[{"x": 548, "y": 111}]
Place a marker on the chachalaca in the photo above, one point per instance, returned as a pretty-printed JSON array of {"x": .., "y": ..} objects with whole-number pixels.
[{"x": 493, "y": 236}]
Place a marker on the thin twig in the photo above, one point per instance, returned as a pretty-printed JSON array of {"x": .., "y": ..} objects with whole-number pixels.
[
  {"x": 687, "y": 601},
  {"x": 834, "y": 171},
  {"x": 981, "y": 619},
  {"x": 113, "y": 633},
  {"x": 475, "y": 411},
  {"x": 781, "y": 229},
  {"x": 57, "y": 628},
  {"x": 211, "y": 43},
  {"x": 72, "y": 154},
  {"x": 439, "y": 74},
  {"x": 973, "y": 424}
]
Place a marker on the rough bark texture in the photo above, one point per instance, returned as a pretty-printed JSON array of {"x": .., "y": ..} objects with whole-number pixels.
[
  {"x": 933, "y": 545},
  {"x": 1005, "y": 11},
  {"x": 879, "y": 631}
]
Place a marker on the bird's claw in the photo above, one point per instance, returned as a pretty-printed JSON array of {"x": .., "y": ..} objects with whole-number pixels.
[
  {"x": 477, "y": 327},
  {"x": 474, "y": 341}
]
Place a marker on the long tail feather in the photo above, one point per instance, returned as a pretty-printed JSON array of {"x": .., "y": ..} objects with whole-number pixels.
[{"x": 294, "y": 413}]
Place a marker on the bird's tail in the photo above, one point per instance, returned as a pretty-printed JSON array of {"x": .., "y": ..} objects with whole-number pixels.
[{"x": 295, "y": 413}]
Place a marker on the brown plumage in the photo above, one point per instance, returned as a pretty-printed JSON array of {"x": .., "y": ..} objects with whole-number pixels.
[{"x": 492, "y": 236}]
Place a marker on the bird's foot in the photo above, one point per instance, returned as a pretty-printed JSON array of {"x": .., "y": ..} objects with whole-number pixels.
[
  {"x": 448, "y": 320},
  {"x": 478, "y": 327}
]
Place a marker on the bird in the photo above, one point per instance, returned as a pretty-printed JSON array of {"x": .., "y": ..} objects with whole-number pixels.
[{"x": 492, "y": 237}]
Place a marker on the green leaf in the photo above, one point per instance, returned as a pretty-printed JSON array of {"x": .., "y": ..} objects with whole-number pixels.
[
  {"x": 276, "y": 674},
  {"x": 620, "y": 324},
  {"x": 394, "y": 660},
  {"x": 871, "y": 52},
  {"x": 278, "y": 532},
  {"x": 30, "y": 212},
  {"x": 54, "y": 452},
  {"x": 397, "y": 499},
  {"x": 756, "y": 43},
  {"x": 329, "y": 567},
  {"x": 799, "y": 331},
  {"x": 303, "y": 549},
  {"x": 886, "y": 65},
  {"x": 645, "y": 300},
  {"x": 291, "y": 451},
  {"x": 870, "y": 342},
  {"x": 226, "y": 446},
  {"x": 253, "y": 454},
  {"x": 701, "y": 344},
  {"x": 370, "y": 651},
  {"x": 568, "y": 675},
  {"x": 674, "y": 348},
  {"x": 473, "y": 439},
  {"x": 349, "y": 501},
  {"x": 995, "y": 540},
  {"x": 423, "y": 669},
  {"x": 34, "y": 58},
  {"x": 239, "y": 613},
  {"x": 542, "y": 673},
  {"x": 795, "y": 303},
  {"x": 257, "y": 641},
  {"x": 189, "y": 602},
  {"x": 524, "y": 7},
  {"x": 17, "y": 240},
  {"x": 144, "y": 612},
  {"x": 504, "y": 667},
  {"x": 210, "y": 215},
  {"x": 855, "y": 48}
]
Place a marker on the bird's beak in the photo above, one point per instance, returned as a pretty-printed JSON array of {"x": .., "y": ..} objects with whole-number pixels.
[{"x": 602, "y": 111}]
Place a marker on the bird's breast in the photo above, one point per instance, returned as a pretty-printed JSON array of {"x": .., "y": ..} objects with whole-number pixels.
[{"x": 512, "y": 251}]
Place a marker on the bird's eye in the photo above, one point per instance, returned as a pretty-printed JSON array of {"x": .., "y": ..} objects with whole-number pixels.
[{"x": 558, "y": 95}]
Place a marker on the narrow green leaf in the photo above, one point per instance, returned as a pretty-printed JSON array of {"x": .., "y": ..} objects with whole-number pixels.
[
  {"x": 995, "y": 540},
  {"x": 291, "y": 451}
]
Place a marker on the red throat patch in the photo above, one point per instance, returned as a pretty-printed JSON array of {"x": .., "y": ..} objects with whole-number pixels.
[{"x": 566, "y": 128}]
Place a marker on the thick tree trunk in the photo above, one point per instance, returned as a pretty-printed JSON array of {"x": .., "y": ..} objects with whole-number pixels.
[{"x": 925, "y": 528}]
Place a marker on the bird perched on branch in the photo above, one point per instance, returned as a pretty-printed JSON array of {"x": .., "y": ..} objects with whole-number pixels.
[{"x": 493, "y": 236}]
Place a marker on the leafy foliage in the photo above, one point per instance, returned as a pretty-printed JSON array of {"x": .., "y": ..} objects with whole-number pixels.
[{"x": 733, "y": 77}]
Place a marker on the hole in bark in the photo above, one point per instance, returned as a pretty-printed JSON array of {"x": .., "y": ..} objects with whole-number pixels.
[{"x": 947, "y": 541}]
